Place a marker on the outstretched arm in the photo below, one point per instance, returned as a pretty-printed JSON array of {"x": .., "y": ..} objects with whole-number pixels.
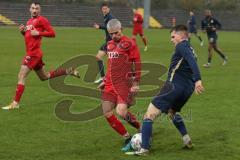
[{"x": 98, "y": 26}]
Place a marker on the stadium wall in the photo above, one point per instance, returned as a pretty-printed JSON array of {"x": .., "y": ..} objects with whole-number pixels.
[
  {"x": 75, "y": 15},
  {"x": 228, "y": 19},
  {"x": 78, "y": 15}
]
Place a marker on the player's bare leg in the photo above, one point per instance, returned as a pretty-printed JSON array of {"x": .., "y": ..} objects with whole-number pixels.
[
  {"x": 144, "y": 42},
  {"x": 43, "y": 75},
  {"x": 122, "y": 110},
  {"x": 99, "y": 58},
  {"x": 22, "y": 75},
  {"x": 200, "y": 39},
  {"x": 113, "y": 121},
  {"x": 196, "y": 35},
  {"x": 220, "y": 53},
  {"x": 210, "y": 47},
  {"x": 108, "y": 113},
  {"x": 152, "y": 112}
]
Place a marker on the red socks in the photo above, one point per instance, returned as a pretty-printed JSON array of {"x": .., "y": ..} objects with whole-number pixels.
[
  {"x": 117, "y": 125},
  {"x": 19, "y": 92},
  {"x": 57, "y": 73},
  {"x": 131, "y": 119},
  {"x": 20, "y": 87}
]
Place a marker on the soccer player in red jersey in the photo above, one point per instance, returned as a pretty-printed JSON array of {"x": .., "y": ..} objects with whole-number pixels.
[
  {"x": 138, "y": 28},
  {"x": 121, "y": 82},
  {"x": 36, "y": 28}
]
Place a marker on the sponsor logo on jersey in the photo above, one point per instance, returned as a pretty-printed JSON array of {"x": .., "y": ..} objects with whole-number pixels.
[
  {"x": 29, "y": 27},
  {"x": 112, "y": 55}
]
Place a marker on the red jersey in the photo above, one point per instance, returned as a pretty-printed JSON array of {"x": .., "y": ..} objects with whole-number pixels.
[
  {"x": 137, "y": 20},
  {"x": 123, "y": 57},
  {"x": 33, "y": 43}
]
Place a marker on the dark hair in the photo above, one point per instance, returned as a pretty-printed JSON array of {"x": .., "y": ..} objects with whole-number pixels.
[
  {"x": 104, "y": 4},
  {"x": 35, "y": 2},
  {"x": 179, "y": 27}
]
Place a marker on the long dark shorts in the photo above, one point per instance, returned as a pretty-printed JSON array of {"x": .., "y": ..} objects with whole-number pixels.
[
  {"x": 212, "y": 39},
  {"x": 172, "y": 96},
  {"x": 192, "y": 29}
]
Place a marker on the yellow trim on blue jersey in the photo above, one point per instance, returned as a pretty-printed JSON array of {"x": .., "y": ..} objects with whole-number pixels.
[{"x": 174, "y": 70}]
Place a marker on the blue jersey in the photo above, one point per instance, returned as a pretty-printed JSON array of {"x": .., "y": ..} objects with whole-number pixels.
[
  {"x": 183, "y": 67},
  {"x": 209, "y": 23},
  {"x": 192, "y": 21},
  {"x": 192, "y": 25},
  {"x": 107, "y": 18}
]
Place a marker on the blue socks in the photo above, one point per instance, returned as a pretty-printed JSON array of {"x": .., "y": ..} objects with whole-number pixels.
[
  {"x": 179, "y": 124},
  {"x": 146, "y": 133}
]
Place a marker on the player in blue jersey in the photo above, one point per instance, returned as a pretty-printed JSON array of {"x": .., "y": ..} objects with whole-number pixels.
[
  {"x": 192, "y": 28},
  {"x": 102, "y": 51},
  {"x": 183, "y": 78},
  {"x": 211, "y": 25}
]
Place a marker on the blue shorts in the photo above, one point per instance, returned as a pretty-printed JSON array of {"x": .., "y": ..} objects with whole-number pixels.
[
  {"x": 172, "y": 96},
  {"x": 212, "y": 39},
  {"x": 192, "y": 29}
]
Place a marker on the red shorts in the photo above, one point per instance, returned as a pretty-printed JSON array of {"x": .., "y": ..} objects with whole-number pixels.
[
  {"x": 118, "y": 95},
  {"x": 137, "y": 30},
  {"x": 33, "y": 62}
]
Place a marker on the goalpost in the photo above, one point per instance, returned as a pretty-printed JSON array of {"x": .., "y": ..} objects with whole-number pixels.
[{"x": 147, "y": 14}]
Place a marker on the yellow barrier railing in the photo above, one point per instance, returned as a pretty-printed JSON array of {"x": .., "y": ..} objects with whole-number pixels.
[
  {"x": 5, "y": 20},
  {"x": 152, "y": 21}
]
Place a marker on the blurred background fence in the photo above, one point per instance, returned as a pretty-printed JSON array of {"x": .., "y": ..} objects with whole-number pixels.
[{"x": 83, "y": 13}]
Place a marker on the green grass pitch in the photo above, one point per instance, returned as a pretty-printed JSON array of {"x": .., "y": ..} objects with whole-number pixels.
[{"x": 34, "y": 131}]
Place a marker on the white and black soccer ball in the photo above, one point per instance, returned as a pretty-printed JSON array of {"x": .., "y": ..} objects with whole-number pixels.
[{"x": 136, "y": 141}]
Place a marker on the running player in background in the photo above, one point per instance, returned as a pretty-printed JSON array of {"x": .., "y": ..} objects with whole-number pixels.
[
  {"x": 138, "y": 28},
  {"x": 192, "y": 28},
  {"x": 103, "y": 49},
  {"x": 36, "y": 28},
  {"x": 211, "y": 25}
]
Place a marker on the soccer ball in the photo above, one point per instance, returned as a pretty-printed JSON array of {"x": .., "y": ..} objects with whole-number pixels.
[{"x": 136, "y": 141}]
